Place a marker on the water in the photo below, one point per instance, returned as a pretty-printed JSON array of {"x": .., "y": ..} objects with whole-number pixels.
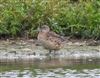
[
  {"x": 53, "y": 68},
  {"x": 25, "y": 60},
  {"x": 52, "y": 73}
]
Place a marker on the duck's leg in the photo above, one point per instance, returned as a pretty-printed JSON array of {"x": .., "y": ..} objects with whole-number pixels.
[
  {"x": 50, "y": 51},
  {"x": 54, "y": 52}
]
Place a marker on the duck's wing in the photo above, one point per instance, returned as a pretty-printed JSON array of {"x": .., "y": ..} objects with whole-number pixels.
[{"x": 55, "y": 36}]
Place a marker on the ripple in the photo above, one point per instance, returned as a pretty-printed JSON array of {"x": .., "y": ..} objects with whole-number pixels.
[{"x": 52, "y": 73}]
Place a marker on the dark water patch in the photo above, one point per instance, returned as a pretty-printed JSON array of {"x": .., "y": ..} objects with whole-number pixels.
[{"x": 56, "y": 63}]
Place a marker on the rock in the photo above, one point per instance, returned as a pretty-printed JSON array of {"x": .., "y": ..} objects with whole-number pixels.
[{"x": 93, "y": 43}]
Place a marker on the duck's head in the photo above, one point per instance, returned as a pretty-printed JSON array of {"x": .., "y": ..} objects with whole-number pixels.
[{"x": 44, "y": 28}]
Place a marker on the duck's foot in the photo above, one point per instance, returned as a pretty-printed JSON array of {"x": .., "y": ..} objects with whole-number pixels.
[
  {"x": 49, "y": 53},
  {"x": 53, "y": 52}
]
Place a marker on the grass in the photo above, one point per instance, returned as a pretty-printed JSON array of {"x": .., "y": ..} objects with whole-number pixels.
[{"x": 80, "y": 19}]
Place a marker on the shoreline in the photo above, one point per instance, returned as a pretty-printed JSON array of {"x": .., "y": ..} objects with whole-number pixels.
[{"x": 26, "y": 51}]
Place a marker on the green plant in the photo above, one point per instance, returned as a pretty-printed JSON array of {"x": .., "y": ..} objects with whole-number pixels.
[{"x": 65, "y": 17}]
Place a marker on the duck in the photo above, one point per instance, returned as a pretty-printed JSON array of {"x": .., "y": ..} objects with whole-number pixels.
[{"x": 49, "y": 39}]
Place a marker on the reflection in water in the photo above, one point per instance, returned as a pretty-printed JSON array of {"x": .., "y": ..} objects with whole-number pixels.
[
  {"x": 51, "y": 68},
  {"x": 52, "y": 62}
]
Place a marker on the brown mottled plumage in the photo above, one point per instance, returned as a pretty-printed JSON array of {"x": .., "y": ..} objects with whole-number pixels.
[{"x": 50, "y": 40}]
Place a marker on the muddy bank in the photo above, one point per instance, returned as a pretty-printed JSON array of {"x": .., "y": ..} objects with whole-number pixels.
[{"x": 27, "y": 52}]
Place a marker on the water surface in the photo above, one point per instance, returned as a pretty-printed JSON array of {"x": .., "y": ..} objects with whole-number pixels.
[
  {"x": 25, "y": 60},
  {"x": 53, "y": 68}
]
